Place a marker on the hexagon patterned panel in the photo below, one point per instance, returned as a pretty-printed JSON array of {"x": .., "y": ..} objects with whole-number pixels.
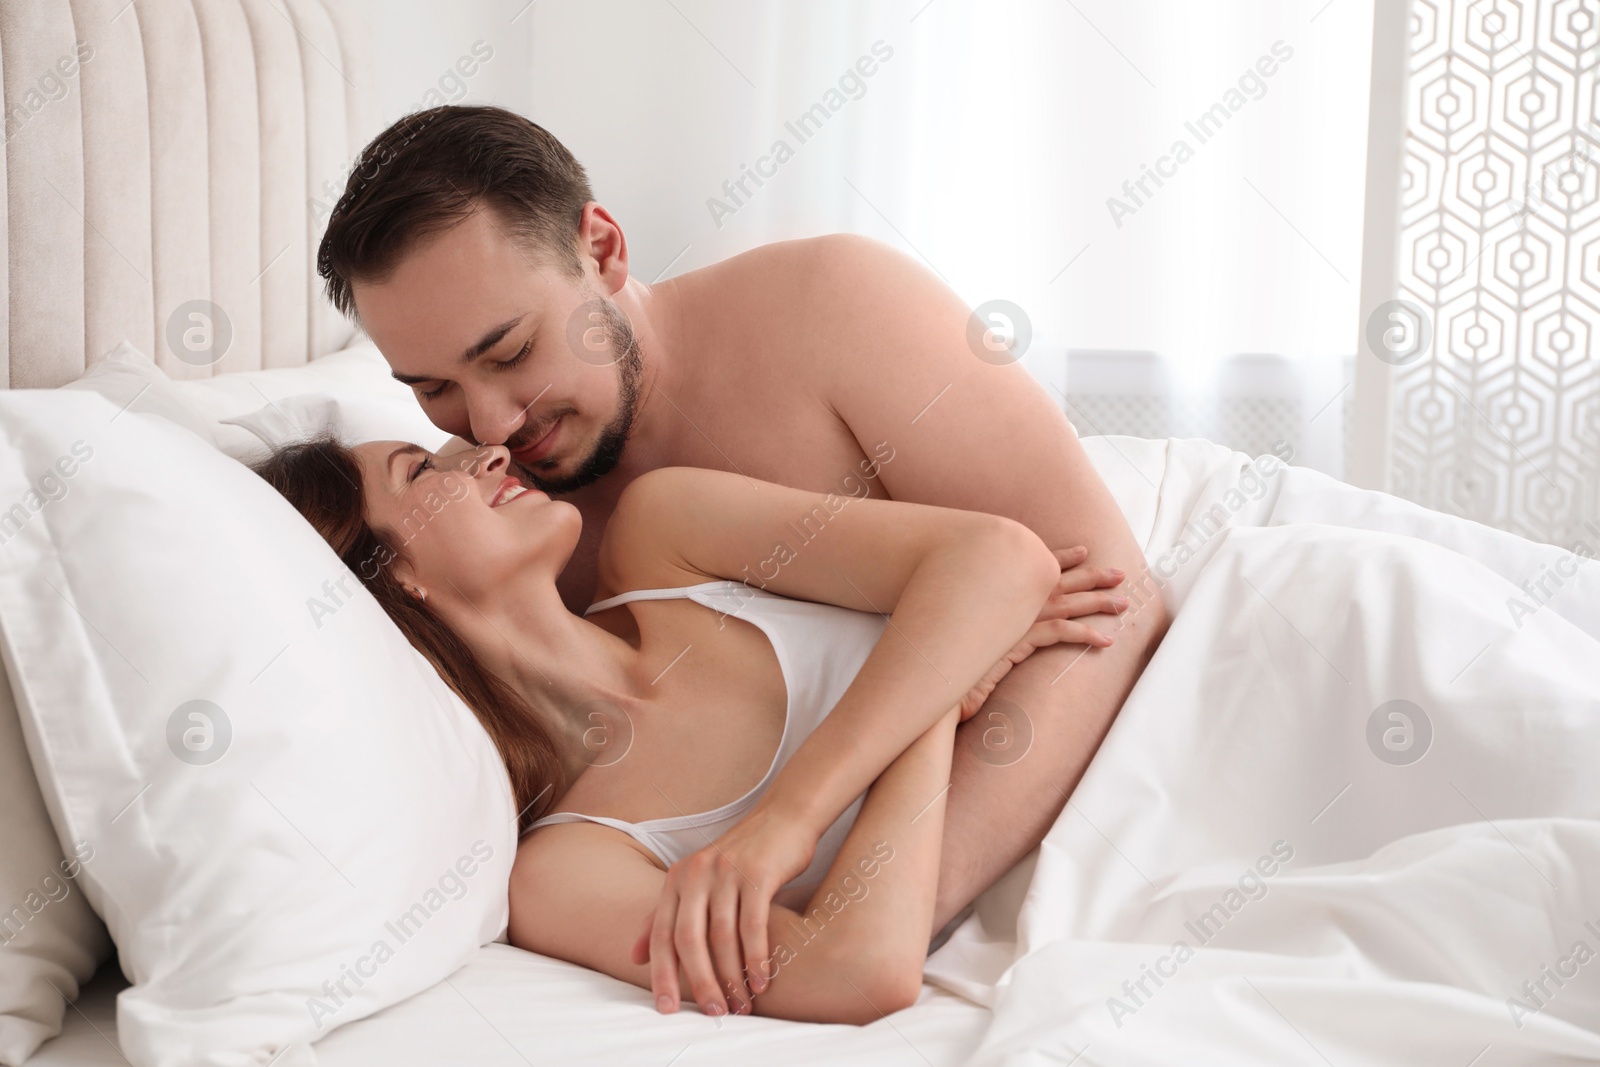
[{"x": 1497, "y": 409}]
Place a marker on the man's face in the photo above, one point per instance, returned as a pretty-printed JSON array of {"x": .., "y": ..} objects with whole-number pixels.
[{"x": 501, "y": 346}]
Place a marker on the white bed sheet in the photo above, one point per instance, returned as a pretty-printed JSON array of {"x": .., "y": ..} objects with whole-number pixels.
[
  {"x": 512, "y": 1008},
  {"x": 1418, "y": 900}
]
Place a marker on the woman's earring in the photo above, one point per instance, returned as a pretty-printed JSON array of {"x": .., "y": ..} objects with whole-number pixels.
[{"x": 420, "y": 593}]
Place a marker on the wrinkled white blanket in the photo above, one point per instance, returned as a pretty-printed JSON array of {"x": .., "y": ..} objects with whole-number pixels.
[{"x": 1349, "y": 815}]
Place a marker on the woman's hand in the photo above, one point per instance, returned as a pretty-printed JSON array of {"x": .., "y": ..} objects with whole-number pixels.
[
  {"x": 1080, "y": 591},
  {"x": 712, "y": 914}
]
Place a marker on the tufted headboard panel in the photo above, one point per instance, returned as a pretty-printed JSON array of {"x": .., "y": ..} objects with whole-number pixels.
[{"x": 160, "y": 153}]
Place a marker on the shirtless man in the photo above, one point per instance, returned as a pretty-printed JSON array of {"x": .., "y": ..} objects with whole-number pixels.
[{"x": 469, "y": 246}]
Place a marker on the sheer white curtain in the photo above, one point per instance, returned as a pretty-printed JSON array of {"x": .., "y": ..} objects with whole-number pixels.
[{"x": 987, "y": 141}]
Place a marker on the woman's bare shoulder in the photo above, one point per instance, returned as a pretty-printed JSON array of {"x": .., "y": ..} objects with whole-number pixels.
[{"x": 632, "y": 554}]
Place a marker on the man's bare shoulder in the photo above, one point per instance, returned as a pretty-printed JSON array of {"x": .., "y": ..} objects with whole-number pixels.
[
  {"x": 812, "y": 310},
  {"x": 834, "y": 249},
  {"x": 812, "y": 267}
]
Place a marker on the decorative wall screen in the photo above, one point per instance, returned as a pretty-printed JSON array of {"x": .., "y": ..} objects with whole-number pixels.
[{"x": 1498, "y": 419}]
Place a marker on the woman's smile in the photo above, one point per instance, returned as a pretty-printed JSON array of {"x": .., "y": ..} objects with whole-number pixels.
[{"x": 508, "y": 491}]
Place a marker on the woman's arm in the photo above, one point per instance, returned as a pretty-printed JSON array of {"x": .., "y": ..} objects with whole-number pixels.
[
  {"x": 853, "y": 954},
  {"x": 959, "y": 587},
  {"x": 873, "y": 917}
]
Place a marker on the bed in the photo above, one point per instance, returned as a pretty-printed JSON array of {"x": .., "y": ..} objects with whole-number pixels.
[
  {"x": 1341, "y": 905},
  {"x": 1347, "y": 815}
]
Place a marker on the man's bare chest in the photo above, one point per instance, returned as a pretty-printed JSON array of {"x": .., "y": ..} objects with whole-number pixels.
[{"x": 797, "y": 442}]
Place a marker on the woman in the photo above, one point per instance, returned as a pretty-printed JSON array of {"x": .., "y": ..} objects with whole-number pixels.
[{"x": 636, "y": 736}]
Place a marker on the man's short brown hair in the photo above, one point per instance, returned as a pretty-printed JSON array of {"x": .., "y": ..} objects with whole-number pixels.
[{"x": 432, "y": 169}]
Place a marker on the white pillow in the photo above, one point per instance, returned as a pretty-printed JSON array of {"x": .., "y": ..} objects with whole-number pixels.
[
  {"x": 130, "y": 379},
  {"x": 359, "y": 372},
  {"x": 354, "y": 420},
  {"x": 295, "y": 822},
  {"x": 245, "y": 413},
  {"x": 50, "y": 941}
]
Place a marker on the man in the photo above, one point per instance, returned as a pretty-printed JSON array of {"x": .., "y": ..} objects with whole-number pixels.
[{"x": 470, "y": 248}]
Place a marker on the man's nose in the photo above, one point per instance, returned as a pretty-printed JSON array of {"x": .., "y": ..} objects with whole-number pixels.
[{"x": 493, "y": 419}]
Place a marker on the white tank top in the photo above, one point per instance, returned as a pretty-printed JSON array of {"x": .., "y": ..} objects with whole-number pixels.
[{"x": 820, "y": 648}]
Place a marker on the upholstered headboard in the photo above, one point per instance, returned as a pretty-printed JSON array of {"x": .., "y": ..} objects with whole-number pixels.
[{"x": 162, "y": 152}]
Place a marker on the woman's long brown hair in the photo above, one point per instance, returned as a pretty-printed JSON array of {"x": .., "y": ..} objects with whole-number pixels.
[{"x": 322, "y": 479}]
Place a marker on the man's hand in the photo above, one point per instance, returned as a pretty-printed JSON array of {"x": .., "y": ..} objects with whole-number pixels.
[
  {"x": 1081, "y": 591},
  {"x": 712, "y": 914}
]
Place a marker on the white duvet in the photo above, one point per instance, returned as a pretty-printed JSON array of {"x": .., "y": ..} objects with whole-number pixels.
[
  {"x": 1264, "y": 864},
  {"x": 1270, "y": 860}
]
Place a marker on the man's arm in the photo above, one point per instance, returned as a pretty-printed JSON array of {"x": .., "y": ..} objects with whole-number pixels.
[{"x": 897, "y": 366}]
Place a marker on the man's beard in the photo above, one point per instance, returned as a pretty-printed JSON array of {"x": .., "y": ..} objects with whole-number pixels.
[{"x": 608, "y": 449}]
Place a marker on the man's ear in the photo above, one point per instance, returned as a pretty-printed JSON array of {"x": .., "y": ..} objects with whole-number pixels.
[{"x": 600, "y": 239}]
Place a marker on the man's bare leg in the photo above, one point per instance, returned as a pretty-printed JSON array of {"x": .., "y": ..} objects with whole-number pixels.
[{"x": 1001, "y": 803}]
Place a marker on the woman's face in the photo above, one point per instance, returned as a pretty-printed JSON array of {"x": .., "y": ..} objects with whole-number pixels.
[{"x": 464, "y": 524}]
